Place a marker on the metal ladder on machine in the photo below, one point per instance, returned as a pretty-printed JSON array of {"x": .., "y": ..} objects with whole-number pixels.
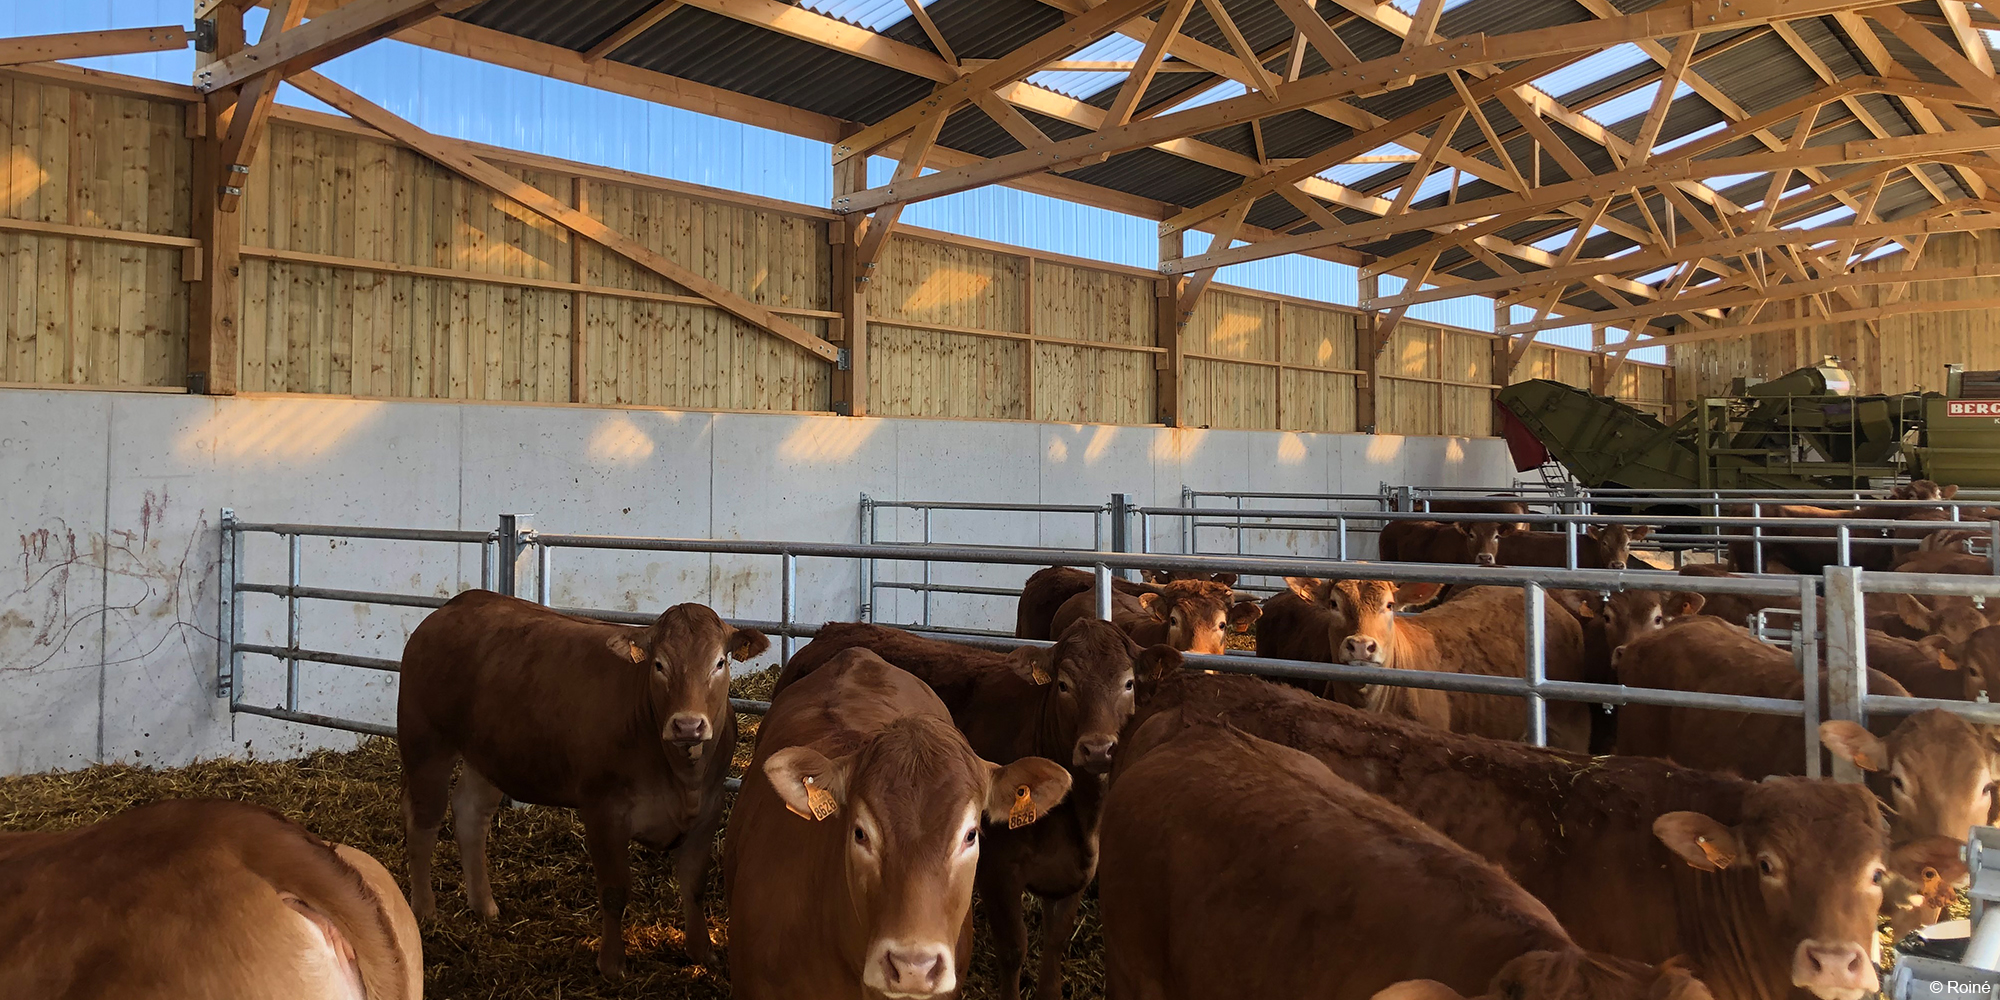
[{"x": 1977, "y": 971}]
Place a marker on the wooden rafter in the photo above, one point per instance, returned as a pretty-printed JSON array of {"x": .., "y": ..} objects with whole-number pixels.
[
  {"x": 1198, "y": 282},
  {"x": 454, "y": 155},
  {"x": 878, "y": 227},
  {"x": 337, "y": 32},
  {"x": 86, "y": 44},
  {"x": 245, "y": 121},
  {"x": 637, "y": 26}
]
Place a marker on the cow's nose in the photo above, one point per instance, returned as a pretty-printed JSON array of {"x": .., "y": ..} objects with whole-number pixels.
[
  {"x": 1360, "y": 649},
  {"x": 687, "y": 727},
  {"x": 1614, "y": 564},
  {"x": 1834, "y": 970},
  {"x": 917, "y": 972},
  {"x": 1094, "y": 753},
  {"x": 1484, "y": 559}
]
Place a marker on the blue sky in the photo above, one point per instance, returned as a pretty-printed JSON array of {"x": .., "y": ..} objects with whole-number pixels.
[{"x": 471, "y": 100}]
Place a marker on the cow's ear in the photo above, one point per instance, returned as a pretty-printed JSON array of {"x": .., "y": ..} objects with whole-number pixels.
[
  {"x": 811, "y": 785},
  {"x": 1847, "y": 739},
  {"x": 624, "y": 646},
  {"x": 1242, "y": 614},
  {"x": 1699, "y": 840},
  {"x": 1418, "y": 593},
  {"x": 1024, "y": 791},
  {"x": 1154, "y": 575},
  {"x": 1226, "y": 579},
  {"x": 1461, "y": 528},
  {"x": 745, "y": 643},
  {"x": 1640, "y": 531},
  {"x": 1938, "y": 648},
  {"x": 1311, "y": 590},
  {"x": 1032, "y": 665},
  {"x": 1687, "y": 601},
  {"x": 1948, "y": 492},
  {"x": 1154, "y": 661},
  {"x": 1151, "y": 602},
  {"x": 1418, "y": 989}
]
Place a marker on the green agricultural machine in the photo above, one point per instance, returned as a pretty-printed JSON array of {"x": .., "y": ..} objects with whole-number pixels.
[{"x": 1807, "y": 429}]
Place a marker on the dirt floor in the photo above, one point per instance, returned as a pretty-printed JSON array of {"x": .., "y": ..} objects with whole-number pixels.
[{"x": 544, "y": 944}]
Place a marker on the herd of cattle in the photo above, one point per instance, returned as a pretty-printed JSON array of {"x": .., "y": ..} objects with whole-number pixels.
[{"x": 1245, "y": 838}]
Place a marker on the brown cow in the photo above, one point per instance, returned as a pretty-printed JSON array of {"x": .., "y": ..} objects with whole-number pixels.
[
  {"x": 850, "y": 858},
  {"x": 1784, "y": 552},
  {"x": 1204, "y": 825},
  {"x": 1606, "y": 546},
  {"x": 1926, "y": 669},
  {"x": 201, "y": 898},
  {"x": 1781, "y": 894},
  {"x": 1623, "y": 616},
  {"x": 631, "y": 727},
  {"x": 1189, "y": 615},
  {"x": 1047, "y": 589},
  {"x": 1476, "y": 543},
  {"x": 1498, "y": 503},
  {"x": 1979, "y": 655},
  {"x": 1482, "y": 630},
  {"x": 1068, "y": 703}
]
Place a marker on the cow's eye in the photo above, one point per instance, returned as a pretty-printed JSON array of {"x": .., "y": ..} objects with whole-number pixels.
[
  {"x": 1877, "y": 877},
  {"x": 722, "y": 662},
  {"x": 860, "y": 836},
  {"x": 971, "y": 837},
  {"x": 1766, "y": 868},
  {"x": 1062, "y": 686},
  {"x": 1128, "y": 687},
  {"x": 1896, "y": 782}
]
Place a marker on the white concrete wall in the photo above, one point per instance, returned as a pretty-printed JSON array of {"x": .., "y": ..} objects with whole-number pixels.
[{"x": 107, "y": 637}]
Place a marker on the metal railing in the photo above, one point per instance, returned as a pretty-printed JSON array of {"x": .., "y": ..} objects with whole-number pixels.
[
  {"x": 1106, "y": 527},
  {"x": 516, "y": 553}
]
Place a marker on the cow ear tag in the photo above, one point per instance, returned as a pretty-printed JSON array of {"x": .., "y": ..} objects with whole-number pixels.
[
  {"x": 1716, "y": 855},
  {"x": 1023, "y": 812},
  {"x": 1042, "y": 674},
  {"x": 819, "y": 800}
]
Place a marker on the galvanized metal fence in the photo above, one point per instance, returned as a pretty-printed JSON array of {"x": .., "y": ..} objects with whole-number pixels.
[{"x": 517, "y": 558}]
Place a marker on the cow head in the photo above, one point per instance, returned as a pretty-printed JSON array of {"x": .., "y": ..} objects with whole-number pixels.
[
  {"x": 1198, "y": 612},
  {"x": 1807, "y": 864},
  {"x": 688, "y": 649},
  {"x": 1950, "y": 619},
  {"x": 1363, "y": 627},
  {"x": 1569, "y": 975},
  {"x": 1090, "y": 678},
  {"x": 1923, "y": 489},
  {"x": 1616, "y": 540},
  {"x": 1629, "y": 614},
  {"x": 1941, "y": 775},
  {"x": 910, "y": 801},
  {"x": 1482, "y": 540},
  {"x": 1162, "y": 577}
]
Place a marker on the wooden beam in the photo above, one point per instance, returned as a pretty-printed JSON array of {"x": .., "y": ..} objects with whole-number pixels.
[
  {"x": 1198, "y": 281},
  {"x": 931, "y": 31},
  {"x": 1648, "y": 261},
  {"x": 1649, "y": 129},
  {"x": 1799, "y": 286},
  {"x": 1081, "y": 31},
  {"x": 1795, "y": 322},
  {"x": 1141, "y": 77},
  {"x": 1419, "y": 171},
  {"x": 253, "y": 109},
  {"x": 1167, "y": 334},
  {"x": 876, "y": 234},
  {"x": 1554, "y": 195},
  {"x": 452, "y": 154},
  {"x": 631, "y": 29},
  {"x": 1318, "y": 33},
  {"x": 215, "y": 299},
  {"x": 1261, "y": 79},
  {"x": 337, "y": 32},
  {"x": 1667, "y": 19},
  {"x": 1959, "y": 19},
  {"x": 850, "y": 395},
  {"x": 579, "y": 303},
  {"x": 87, "y": 44},
  {"x": 1977, "y": 82}
]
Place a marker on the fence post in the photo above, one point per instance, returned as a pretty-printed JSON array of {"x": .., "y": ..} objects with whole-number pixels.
[
  {"x": 864, "y": 598},
  {"x": 1534, "y": 605},
  {"x": 788, "y": 598},
  {"x": 1846, "y": 656},
  {"x": 1101, "y": 590},
  {"x": 225, "y": 630},
  {"x": 511, "y": 571},
  {"x": 1806, "y": 650},
  {"x": 294, "y": 571},
  {"x": 1121, "y": 529},
  {"x": 1993, "y": 541},
  {"x": 1756, "y": 537}
]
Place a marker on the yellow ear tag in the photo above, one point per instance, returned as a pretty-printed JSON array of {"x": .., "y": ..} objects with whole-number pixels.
[
  {"x": 1716, "y": 855},
  {"x": 1042, "y": 675},
  {"x": 1023, "y": 812},
  {"x": 819, "y": 800}
]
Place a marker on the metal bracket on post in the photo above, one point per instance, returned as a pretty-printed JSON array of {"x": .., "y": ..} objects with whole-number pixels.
[
  {"x": 515, "y": 536},
  {"x": 227, "y": 601},
  {"x": 1846, "y": 657}
]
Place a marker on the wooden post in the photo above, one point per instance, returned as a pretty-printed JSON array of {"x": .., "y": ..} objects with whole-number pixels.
[
  {"x": 579, "y": 353},
  {"x": 1167, "y": 328},
  {"x": 850, "y": 294},
  {"x": 1367, "y": 358},
  {"x": 1028, "y": 346},
  {"x": 215, "y": 296}
]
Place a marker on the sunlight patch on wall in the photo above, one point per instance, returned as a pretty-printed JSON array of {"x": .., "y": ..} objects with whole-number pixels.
[
  {"x": 278, "y": 428},
  {"x": 945, "y": 286},
  {"x": 621, "y": 441},
  {"x": 828, "y": 439}
]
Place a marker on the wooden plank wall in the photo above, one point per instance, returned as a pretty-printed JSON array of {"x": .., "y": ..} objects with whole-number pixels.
[
  {"x": 94, "y": 212},
  {"x": 354, "y": 249},
  {"x": 1899, "y": 354},
  {"x": 371, "y": 271}
]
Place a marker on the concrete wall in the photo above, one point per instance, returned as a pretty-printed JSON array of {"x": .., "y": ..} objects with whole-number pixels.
[{"x": 107, "y": 640}]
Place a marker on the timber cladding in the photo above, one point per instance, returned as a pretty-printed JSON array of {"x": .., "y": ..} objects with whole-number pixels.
[
  {"x": 1927, "y": 325},
  {"x": 370, "y": 270}
]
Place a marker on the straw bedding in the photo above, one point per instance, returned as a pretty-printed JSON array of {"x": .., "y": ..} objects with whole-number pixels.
[{"x": 543, "y": 945}]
